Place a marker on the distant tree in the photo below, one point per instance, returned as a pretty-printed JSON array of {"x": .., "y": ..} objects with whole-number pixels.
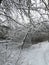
[
  {"x": 0, "y": 1},
  {"x": 4, "y": 31},
  {"x": 48, "y": 2}
]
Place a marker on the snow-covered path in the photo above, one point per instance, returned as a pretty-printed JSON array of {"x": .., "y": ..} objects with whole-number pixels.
[{"x": 34, "y": 55}]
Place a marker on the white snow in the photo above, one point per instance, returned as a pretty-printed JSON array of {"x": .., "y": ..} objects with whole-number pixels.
[{"x": 37, "y": 54}]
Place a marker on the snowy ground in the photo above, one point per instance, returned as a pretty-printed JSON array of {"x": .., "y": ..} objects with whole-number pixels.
[{"x": 34, "y": 55}]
